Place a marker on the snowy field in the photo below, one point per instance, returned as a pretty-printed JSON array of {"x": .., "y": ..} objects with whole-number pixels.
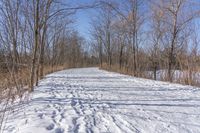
[{"x": 90, "y": 100}]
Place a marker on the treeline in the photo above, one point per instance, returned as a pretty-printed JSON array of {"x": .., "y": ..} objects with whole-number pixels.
[
  {"x": 36, "y": 38},
  {"x": 138, "y": 37},
  {"x": 144, "y": 37}
]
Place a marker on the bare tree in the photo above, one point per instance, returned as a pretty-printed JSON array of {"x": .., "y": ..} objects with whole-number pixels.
[
  {"x": 156, "y": 35},
  {"x": 176, "y": 20},
  {"x": 97, "y": 33},
  {"x": 107, "y": 16},
  {"x": 44, "y": 34},
  {"x": 36, "y": 42},
  {"x": 121, "y": 37}
]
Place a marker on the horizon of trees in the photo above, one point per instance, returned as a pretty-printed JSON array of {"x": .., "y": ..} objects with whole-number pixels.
[
  {"x": 137, "y": 37},
  {"x": 141, "y": 37},
  {"x": 35, "y": 36}
]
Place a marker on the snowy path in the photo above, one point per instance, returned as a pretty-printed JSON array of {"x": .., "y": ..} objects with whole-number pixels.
[{"x": 90, "y": 100}]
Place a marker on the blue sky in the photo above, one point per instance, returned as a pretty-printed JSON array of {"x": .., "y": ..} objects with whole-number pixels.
[
  {"x": 82, "y": 23},
  {"x": 83, "y": 18}
]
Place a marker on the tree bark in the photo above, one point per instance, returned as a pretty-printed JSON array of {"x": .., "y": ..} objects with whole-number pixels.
[{"x": 36, "y": 39}]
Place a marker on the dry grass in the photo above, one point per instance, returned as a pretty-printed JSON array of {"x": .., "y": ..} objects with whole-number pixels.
[
  {"x": 184, "y": 79},
  {"x": 16, "y": 83}
]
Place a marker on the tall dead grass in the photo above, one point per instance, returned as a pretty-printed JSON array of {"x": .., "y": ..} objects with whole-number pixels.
[{"x": 184, "y": 77}]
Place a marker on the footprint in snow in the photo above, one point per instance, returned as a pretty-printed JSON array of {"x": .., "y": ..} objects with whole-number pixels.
[
  {"x": 59, "y": 109},
  {"x": 73, "y": 102},
  {"x": 40, "y": 116},
  {"x": 53, "y": 114},
  {"x": 50, "y": 127},
  {"x": 59, "y": 130},
  {"x": 48, "y": 106}
]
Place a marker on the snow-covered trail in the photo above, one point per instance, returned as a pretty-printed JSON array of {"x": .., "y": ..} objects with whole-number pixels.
[{"x": 90, "y": 100}]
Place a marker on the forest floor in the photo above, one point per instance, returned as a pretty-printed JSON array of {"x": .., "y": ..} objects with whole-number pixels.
[{"x": 89, "y": 100}]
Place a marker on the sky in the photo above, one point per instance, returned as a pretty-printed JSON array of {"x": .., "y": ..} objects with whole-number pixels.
[{"x": 83, "y": 18}]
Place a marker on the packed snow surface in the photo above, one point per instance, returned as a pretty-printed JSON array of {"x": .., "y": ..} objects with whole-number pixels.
[{"x": 89, "y": 100}]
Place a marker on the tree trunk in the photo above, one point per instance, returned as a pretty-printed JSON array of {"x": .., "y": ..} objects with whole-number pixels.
[
  {"x": 120, "y": 57},
  {"x": 109, "y": 50},
  {"x": 41, "y": 61},
  {"x": 154, "y": 72},
  {"x": 100, "y": 52},
  {"x": 134, "y": 43},
  {"x": 36, "y": 38},
  {"x": 15, "y": 56}
]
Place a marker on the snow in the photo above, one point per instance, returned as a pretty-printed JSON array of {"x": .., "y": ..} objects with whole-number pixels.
[
  {"x": 89, "y": 100},
  {"x": 178, "y": 75}
]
